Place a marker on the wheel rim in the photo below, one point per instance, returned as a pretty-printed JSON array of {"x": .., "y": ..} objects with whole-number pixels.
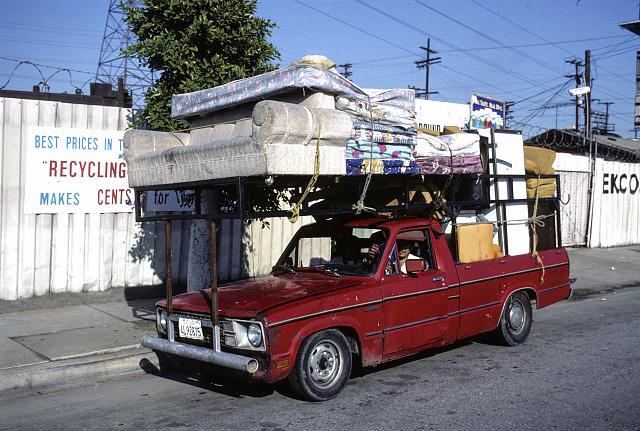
[
  {"x": 325, "y": 364},
  {"x": 516, "y": 317}
]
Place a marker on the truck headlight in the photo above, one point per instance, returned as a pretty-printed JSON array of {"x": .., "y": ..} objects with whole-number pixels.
[
  {"x": 243, "y": 334},
  {"x": 254, "y": 334}
]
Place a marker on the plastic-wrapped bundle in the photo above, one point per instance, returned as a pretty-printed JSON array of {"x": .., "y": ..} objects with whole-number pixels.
[
  {"x": 381, "y": 167},
  {"x": 457, "y": 153}
]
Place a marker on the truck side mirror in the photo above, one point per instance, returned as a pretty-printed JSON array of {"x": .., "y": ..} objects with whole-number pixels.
[{"x": 415, "y": 265}]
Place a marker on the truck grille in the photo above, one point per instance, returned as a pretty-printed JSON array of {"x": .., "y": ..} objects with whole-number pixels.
[{"x": 227, "y": 336}]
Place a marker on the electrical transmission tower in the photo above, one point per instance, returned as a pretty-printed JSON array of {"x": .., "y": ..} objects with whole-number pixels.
[{"x": 112, "y": 64}]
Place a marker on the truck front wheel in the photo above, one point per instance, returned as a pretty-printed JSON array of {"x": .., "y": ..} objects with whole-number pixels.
[
  {"x": 515, "y": 322},
  {"x": 322, "y": 367}
]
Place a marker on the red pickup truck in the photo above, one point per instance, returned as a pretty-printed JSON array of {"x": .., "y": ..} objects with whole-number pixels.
[{"x": 365, "y": 290}]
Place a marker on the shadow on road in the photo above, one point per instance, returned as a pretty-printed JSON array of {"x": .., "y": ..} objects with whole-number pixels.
[{"x": 204, "y": 377}]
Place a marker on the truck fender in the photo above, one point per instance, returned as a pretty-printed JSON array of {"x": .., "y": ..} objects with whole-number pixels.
[
  {"x": 328, "y": 322},
  {"x": 533, "y": 295}
]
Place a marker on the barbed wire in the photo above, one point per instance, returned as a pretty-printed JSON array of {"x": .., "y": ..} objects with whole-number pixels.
[
  {"x": 575, "y": 141},
  {"x": 45, "y": 81}
]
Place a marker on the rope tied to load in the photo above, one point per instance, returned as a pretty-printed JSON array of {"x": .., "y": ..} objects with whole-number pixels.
[
  {"x": 295, "y": 210},
  {"x": 359, "y": 206},
  {"x": 536, "y": 221}
]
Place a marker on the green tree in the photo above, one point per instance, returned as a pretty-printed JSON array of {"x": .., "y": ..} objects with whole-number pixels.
[{"x": 196, "y": 44}]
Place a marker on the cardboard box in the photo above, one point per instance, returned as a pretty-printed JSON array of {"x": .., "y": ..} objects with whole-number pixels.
[{"x": 475, "y": 242}]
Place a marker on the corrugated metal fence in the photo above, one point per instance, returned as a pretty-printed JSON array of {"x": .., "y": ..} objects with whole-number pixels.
[
  {"x": 616, "y": 204},
  {"x": 574, "y": 175},
  {"x": 50, "y": 253}
]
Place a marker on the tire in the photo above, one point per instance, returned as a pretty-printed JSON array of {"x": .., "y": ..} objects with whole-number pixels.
[
  {"x": 516, "y": 319},
  {"x": 322, "y": 367}
]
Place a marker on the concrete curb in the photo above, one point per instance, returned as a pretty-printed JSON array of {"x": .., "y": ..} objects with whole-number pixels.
[{"x": 77, "y": 371}]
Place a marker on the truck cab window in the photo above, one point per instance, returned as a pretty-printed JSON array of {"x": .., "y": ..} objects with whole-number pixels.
[
  {"x": 342, "y": 251},
  {"x": 410, "y": 246}
]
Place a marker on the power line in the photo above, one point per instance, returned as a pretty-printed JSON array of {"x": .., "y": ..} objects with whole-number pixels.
[
  {"x": 368, "y": 33},
  {"x": 542, "y": 107},
  {"x": 51, "y": 29},
  {"x": 540, "y": 37},
  {"x": 43, "y": 42},
  {"x": 444, "y": 42},
  {"x": 492, "y": 48},
  {"x": 486, "y": 36},
  {"x": 48, "y": 66},
  {"x": 531, "y": 45},
  {"x": 617, "y": 53}
]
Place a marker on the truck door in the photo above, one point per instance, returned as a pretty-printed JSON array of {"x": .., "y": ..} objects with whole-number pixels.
[
  {"x": 414, "y": 296},
  {"x": 480, "y": 305}
]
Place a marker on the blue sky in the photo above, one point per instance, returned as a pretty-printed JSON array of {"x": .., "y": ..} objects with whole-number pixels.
[{"x": 511, "y": 50}]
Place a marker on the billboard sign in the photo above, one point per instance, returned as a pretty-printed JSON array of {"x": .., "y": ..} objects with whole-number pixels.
[
  {"x": 486, "y": 113},
  {"x": 434, "y": 114},
  {"x": 73, "y": 170}
]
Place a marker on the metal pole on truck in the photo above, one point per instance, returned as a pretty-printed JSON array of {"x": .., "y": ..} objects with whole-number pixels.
[
  {"x": 168, "y": 279},
  {"x": 214, "y": 287},
  {"x": 496, "y": 188}
]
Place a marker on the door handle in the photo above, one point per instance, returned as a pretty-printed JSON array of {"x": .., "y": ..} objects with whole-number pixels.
[{"x": 438, "y": 278}]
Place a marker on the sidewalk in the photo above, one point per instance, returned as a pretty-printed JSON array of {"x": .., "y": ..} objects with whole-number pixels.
[{"x": 72, "y": 339}]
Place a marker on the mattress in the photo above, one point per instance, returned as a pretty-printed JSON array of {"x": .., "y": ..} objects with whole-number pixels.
[
  {"x": 293, "y": 84},
  {"x": 264, "y": 86},
  {"x": 282, "y": 141}
]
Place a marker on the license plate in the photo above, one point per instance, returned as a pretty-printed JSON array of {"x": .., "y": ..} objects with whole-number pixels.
[{"x": 190, "y": 328}]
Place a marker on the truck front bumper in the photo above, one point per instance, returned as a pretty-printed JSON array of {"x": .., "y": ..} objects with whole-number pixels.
[{"x": 204, "y": 354}]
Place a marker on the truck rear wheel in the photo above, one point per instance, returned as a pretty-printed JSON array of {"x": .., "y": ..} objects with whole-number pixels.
[
  {"x": 515, "y": 322},
  {"x": 322, "y": 367}
]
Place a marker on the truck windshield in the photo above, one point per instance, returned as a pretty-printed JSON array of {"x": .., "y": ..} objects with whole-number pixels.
[{"x": 339, "y": 250}]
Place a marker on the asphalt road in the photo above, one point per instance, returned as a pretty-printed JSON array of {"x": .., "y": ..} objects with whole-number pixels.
[{"x": 579, "y": 369}]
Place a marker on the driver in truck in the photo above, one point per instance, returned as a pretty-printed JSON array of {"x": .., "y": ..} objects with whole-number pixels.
[{"x": 404, "y": 254}]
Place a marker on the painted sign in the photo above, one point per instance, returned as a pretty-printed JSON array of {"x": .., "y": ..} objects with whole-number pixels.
[
  {"x": 486, "y": 113},
  {"x": 169, "y": 200},
  {"x": 76, "y": 171},
  {"x": 434, "y": 115},
  {"x": 616, "y": 204}
]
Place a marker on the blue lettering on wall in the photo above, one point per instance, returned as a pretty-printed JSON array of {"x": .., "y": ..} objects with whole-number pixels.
[{"x": 59, "y": 198}]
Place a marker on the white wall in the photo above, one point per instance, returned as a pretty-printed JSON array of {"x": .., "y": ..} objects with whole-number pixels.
[
  {"x": 616, "y": 204},
  {"x": 50, "y": 253}
]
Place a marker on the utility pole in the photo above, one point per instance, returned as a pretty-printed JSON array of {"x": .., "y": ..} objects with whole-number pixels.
[
  {"x": 508, "y": 112},
  {"x": 420, "y": 92},
  {"x": 587, "y": 81},
  {"x": 577, "y": 77},
  {"x": 346, "y": 68},
  {"x": 426, "y": 64},
  {"x": 606, "y": 115}
]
